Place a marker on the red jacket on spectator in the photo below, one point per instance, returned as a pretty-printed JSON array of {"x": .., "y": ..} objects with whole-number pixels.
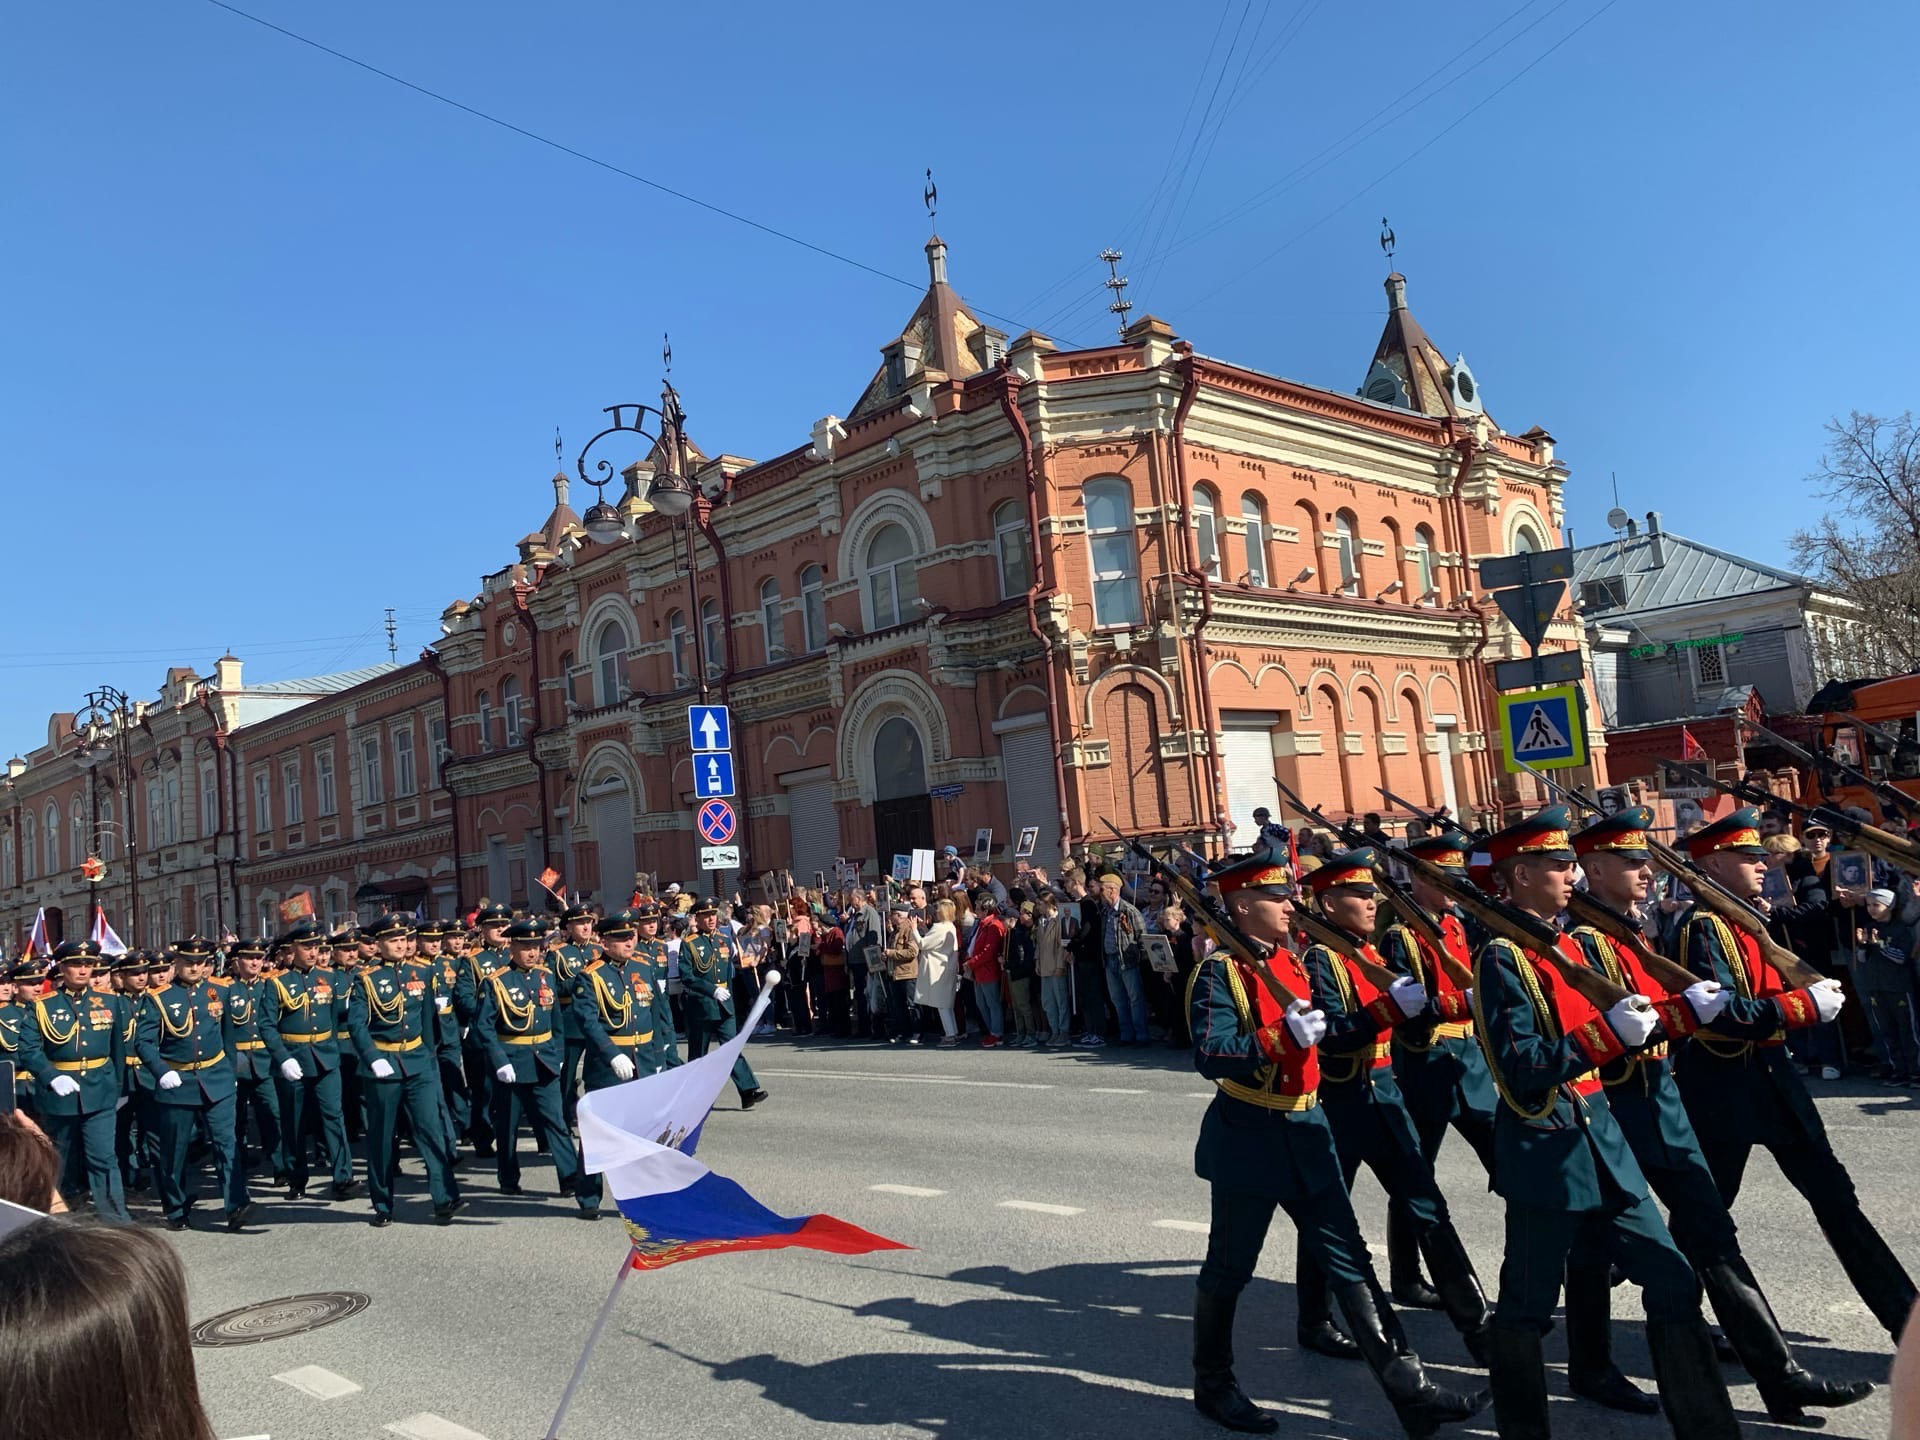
[
  {"x": 831, "y": 946},
  {"x": 983, "y": 954}
]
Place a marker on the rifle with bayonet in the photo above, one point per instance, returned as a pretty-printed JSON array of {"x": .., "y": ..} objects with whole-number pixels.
[
  {"x": 1710, "y": 894},
  {"x": 1896, "y": 850},
  {"x": 1398, "y": 900},
  {"x": 1213, "y": 918},
  {"x": 1894, "y": 800},
  {"x": 1430, "y": 817},
  {"x": 1895, "y": 744}
]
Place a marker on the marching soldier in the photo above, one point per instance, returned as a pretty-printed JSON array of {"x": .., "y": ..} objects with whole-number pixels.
[
  {"x": 134, "y": 973},
  {"x": 1561, "y": 1163},
  {"x": 476, "y": 969},
  {"x": 347, "y": 960},
  {"x": 568, "y": 958},
  {"x": 518, "y": 1028},
  {"x": 300, "y": 1021},
  {"x": 1740, "y": 1085},
  {"x": 430, "y": 950},
  {"x": 613, "y": 996},
  {"x": 394, "y": 1024},
  {"x": 650, "y": 956},
  {"x": 1643, "y": 1098},
  {"x": 13, "y": 1015},
  {"x": 255, "y": 1094},
  {"x": 707, "y": 959},
  {"x": 1436, "y": 1060},
  {"x": 180, "y": 1041},
  {"x": 73, "y": 1046},
  {"x": 1266, "y": 1143},
  {"x": 1362, "y": 1103}
]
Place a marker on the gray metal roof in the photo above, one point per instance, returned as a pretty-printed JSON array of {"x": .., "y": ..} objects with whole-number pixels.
[
  {"x": 1691, "y": 572},
  {"x": 323, "y": 684}
]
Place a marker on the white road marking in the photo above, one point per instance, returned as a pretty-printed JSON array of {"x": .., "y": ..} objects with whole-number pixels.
[
  {"x": 903, "y": 1079},
  {"x": 1104, "y": 1090},
  {"x": 1039, "y": 1208},
  {"x": 1201, "y": 1094},
  {"x": 431, "y": 1427},
  {"x": 1195, "y": 1227},
  {"x": 919, "y": 1192},
  {"x": 320, "y": 1384}
]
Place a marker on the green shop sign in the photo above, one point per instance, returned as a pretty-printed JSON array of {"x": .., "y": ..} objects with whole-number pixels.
[{"x": 1674, "y": 647}]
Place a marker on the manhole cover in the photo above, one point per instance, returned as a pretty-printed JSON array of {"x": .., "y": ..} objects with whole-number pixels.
[{"x": 277, "y": 1319}]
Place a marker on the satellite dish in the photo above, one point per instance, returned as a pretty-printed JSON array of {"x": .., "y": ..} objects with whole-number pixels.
[{"x": 1618, "y": 518}]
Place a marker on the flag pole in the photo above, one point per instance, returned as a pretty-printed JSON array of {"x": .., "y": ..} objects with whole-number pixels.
[{"x": 593, "y": 1338}]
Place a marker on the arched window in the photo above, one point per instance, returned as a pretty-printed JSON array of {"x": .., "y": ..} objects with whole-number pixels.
[
  {"x": 51, "y": 835},
  {"x": 1110, "y": 545},
  {"x": 1253, "y": 510},
  {"x": 6, "y": 860},
  {"x": 1206, "y": 530},
  {"x": 892, "y": 585},
  {"x": 713, "y": 637},
  {"x": 109, "y": 841},
  {"x": 1526, "y": 541},
  {"x": 1349, "y": 548},
  {"x": 610, "y": 663},
  {"x": 771, "y": 622},
  {"x": 680, "y": 642},
  {"x": 29, "y": 846},
  {"x": 813, "y": 608},
  {"x": 1420, "y": 559},
  {"x": 899, "y": 761},
  {"x": 485, "y": 706},
  {"x": 77, "y": 846},
  {"x": 1016, "y": 556},
  {"x": 510, "y": 708}
]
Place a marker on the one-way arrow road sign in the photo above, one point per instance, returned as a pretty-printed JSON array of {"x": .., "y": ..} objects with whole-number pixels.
[{"x": 709, "y": 727}]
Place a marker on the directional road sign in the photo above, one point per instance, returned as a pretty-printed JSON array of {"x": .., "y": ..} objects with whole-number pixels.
[
  {"x": 710, "y": 727},
  {"x": 719, "y": 857},
  {"x": 1558, "y": 667},
  {"x": 716, "y": 822},
  {"x": 713, "y": 775},
  {"x": 1542, "y": 728}
]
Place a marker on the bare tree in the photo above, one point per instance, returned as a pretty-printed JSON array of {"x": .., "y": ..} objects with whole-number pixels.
[{"x": 1867, "y": 546}]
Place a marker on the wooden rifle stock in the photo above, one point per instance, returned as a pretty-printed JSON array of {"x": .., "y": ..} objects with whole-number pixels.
[
  {"x": 1417, "y": 920},
  {"x": 1714, "y": 896},
  {"x": 1322, "y": 931},
  {"x": 1586, "y": 910}
]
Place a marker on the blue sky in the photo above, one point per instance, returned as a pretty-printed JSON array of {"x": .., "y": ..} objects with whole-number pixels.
[{"x": 287, "y": 343}]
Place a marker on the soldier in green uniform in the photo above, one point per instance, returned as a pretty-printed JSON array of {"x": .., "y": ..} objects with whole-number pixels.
[
  {"x": 566, "y": 960},
  {"x": 178, "y": 1036},
  {"x": 301, "y": 1019},
  {"x": 430, "y": 940},
  {"x": 1741, "y": 1087},
  {"x": 1561, "y": 1163},
  {"x": 255, "y": 1094},
  {"x": 707, "y": 959},
  {"x": 347, "y": 961},
  {"x": 477, "y": 968},
  {"x": 13, "y": 1015},
  {"x": 518, "y": 1025},
  {"x": 73, "y": 1046},
  {"x": 1643, "y": 1098},
  {"x": 137, "y": 1124},
  {"x": 613, "y": 997},
  {"x": 650, "y": 957},
  {"x": 393, "y": 1020},
  {"x": 1265, "y": 1144}
]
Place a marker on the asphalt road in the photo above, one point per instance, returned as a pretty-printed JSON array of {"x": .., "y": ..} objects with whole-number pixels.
[{"x": 1057, "y": 1227}]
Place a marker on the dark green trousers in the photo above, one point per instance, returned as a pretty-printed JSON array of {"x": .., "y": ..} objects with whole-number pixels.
[
  {"x": 258, "y": 1100},
  {"x": 308, "y": 1105},
  {"x": 540, "y": 1103},
  {"x": 1324, "y": 1222},
  {"x": 86, "y": 1143},
  {"x": 1635, "y": 1239},
  {"x": 418, "y": 1093},
  {"x": 177, "y": 1127}
]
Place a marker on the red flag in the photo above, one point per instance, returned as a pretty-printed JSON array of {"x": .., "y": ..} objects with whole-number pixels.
[
  {"x": 1690, "y": 748},
  {"x": 300, "y": 907},
  {"x": 549, "y": 878}
]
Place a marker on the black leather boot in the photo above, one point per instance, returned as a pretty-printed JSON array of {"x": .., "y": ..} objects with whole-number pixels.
[
  {"x": 1458, "y": 1287},
  {"x": 1785, "y": 1387},
  {"x": 1409, "y": 1288},
  {"x": 1314, "y": 1304},
  {"x": 1691, "y": 1387},
  {"x": 1877, "y": 1275},
  {"x": 1216, "y": 1394},
  {"x": 1518, "y": 1375},
  {"x": 1591, "y": 1373},
  {"x": 1423, "y": 1407}
]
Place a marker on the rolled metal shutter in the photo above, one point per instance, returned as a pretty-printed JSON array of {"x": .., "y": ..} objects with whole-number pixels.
[{"x": 1026, "y": 767}]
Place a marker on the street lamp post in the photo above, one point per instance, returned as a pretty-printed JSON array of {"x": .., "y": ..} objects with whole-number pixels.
[{"x": 105, "y": 729}]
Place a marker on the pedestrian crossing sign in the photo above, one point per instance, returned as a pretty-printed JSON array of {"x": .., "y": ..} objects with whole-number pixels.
[{"x": 1542, "y": 728}]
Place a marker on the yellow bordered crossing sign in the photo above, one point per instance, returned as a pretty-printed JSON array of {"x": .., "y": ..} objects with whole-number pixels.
[{"x": 1542, "y": 728}]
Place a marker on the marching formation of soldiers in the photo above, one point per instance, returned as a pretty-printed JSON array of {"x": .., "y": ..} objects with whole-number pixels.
[
  {"x": 138, "y": 1066},
  {"x": 1589, "y": 1073}
]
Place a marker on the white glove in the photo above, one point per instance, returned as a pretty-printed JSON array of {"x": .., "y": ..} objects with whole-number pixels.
[
  {"x": 722, "y": 993},
  {"x": 623, "y": 1067},
  {"x": 504, "y": 1074},
  {"x": 64, "y": 1085},
  {"x": 290, "y": 1070},
  {"x": 1828, "y": 997},
  {"x": 1632, "y": 1020},
  {"x": 1307, "y": 1025},
  {"x": 1707, "y": 999},
  {"x": 170, "y": 1080},
  {"x": 382, "y": 1069},
  {"x": 443, "y": 1003},
  {"x": 1409, "y": 994}
]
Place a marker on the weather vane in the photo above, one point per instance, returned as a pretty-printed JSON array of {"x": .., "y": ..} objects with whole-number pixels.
[
  {"x": 1386, "y": 239},
  {"x": 559, "y": 448},
  {"x": 931, "y": 196},
  {"x": 666, "y": 351},
  {"x": 1117, "y": 283}
]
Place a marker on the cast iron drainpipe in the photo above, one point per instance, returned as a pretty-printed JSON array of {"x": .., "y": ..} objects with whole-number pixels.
[
  {"x": 524, "y": 608},
  {"x": 1189, "y": 391},
  {"x": 1465, "y": 446},
  {"x": 1009, "y": 406}
]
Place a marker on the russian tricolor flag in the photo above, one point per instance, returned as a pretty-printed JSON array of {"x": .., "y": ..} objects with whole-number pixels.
[{"x": 641, "y": 1136}]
